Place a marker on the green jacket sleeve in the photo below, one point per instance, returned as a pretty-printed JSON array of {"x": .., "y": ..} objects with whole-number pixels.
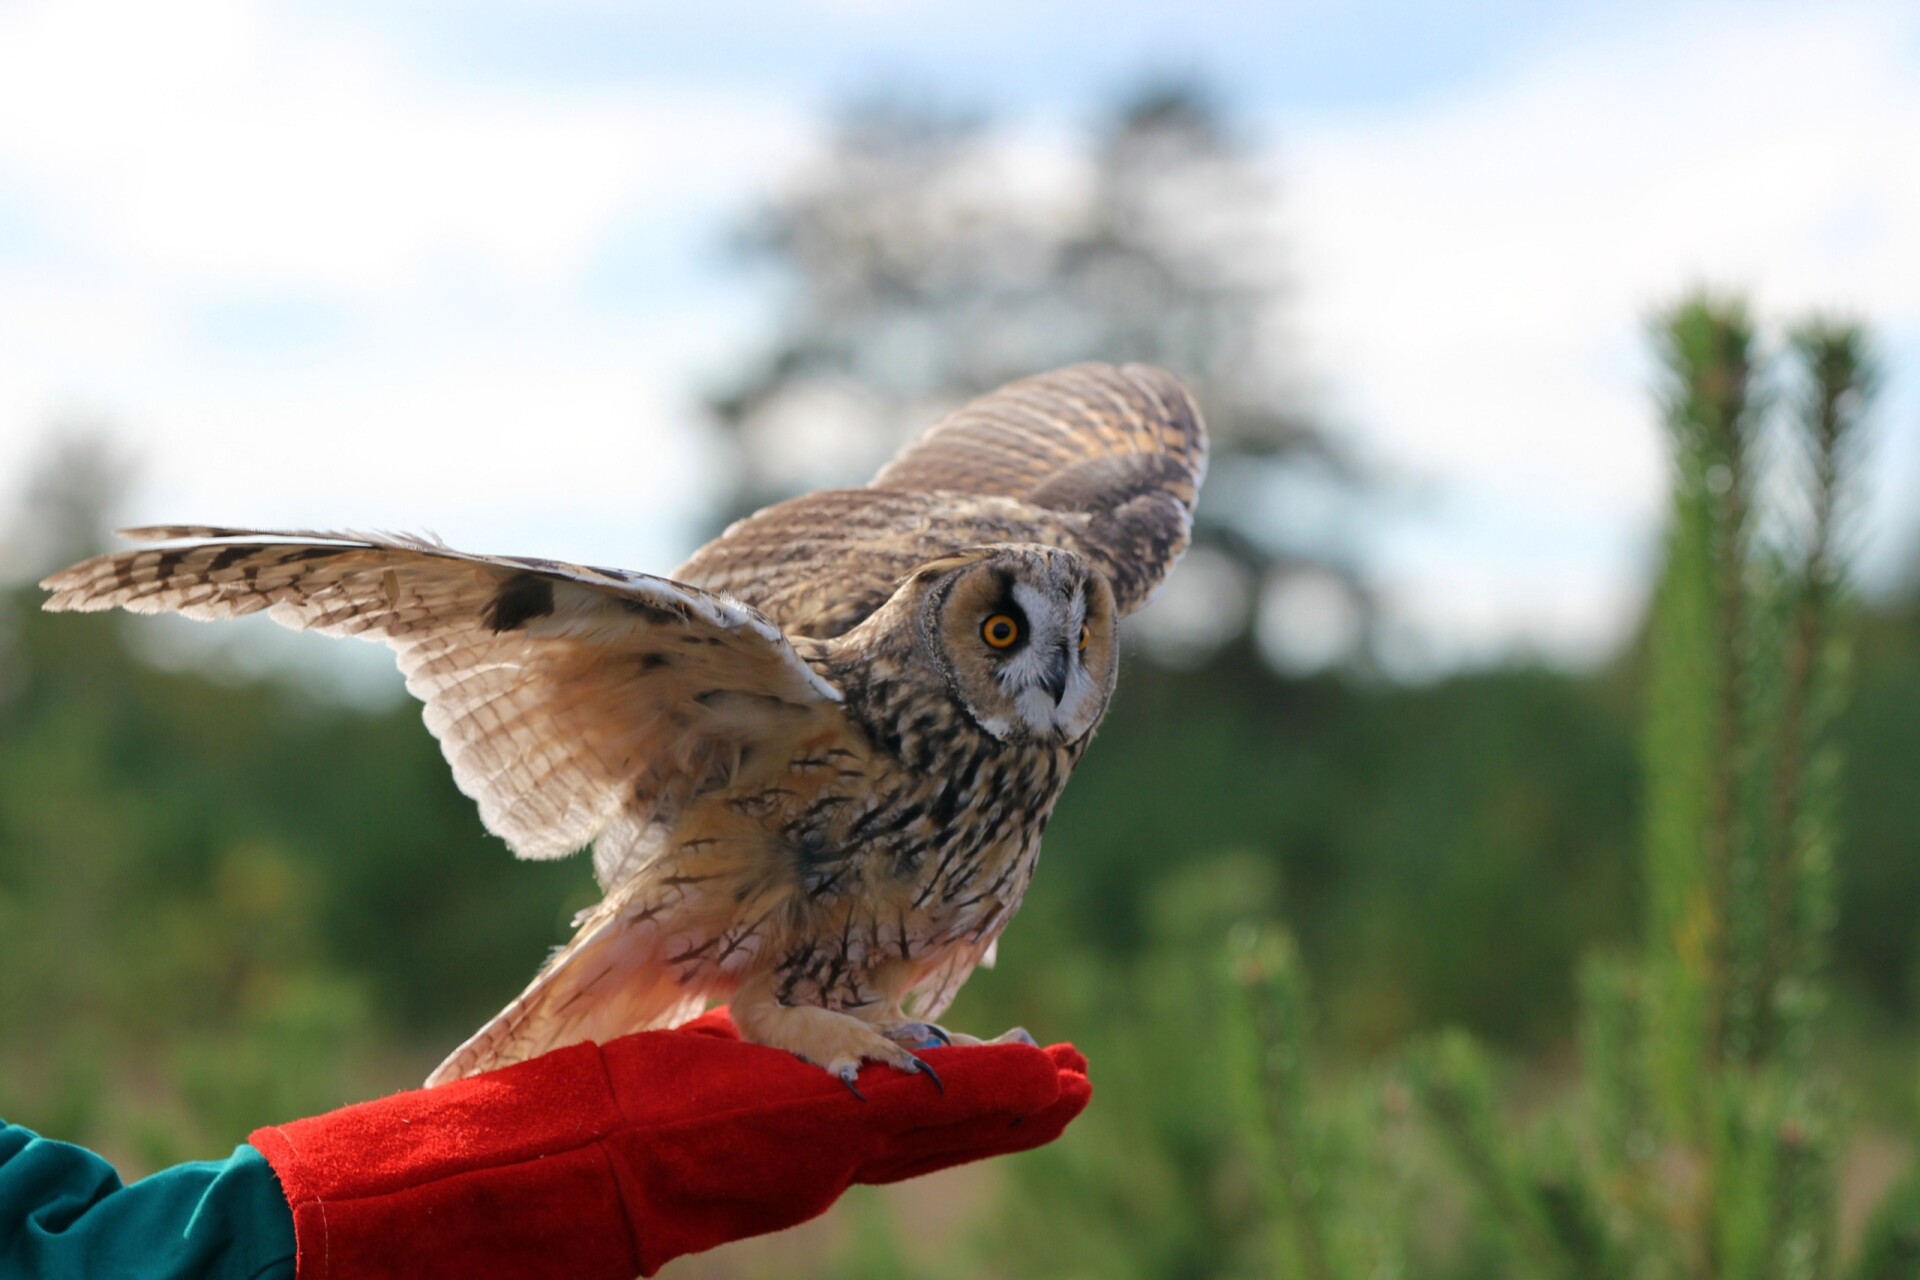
[{"x": 64, "y": 1212}]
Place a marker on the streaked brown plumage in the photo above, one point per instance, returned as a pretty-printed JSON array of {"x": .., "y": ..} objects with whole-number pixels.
[{"x": 815, "y": 767}]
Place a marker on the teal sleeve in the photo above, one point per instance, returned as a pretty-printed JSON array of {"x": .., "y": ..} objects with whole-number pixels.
[{"x": 64, "y": 1212}]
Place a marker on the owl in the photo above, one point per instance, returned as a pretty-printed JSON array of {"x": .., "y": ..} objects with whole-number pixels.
[{"x": 815, "y": 763}]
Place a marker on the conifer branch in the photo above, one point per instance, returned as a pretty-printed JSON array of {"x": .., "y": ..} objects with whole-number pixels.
[
  {"x": 1838, "y": 381},
  {"x": 1266, "y": 969}
]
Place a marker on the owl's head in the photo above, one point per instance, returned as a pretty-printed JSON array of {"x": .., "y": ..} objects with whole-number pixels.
[{"x": 1024, "y": 636}]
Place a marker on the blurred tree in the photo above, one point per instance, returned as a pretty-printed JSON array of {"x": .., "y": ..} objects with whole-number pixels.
[
  {"x": 931, "y": 256},
  {"x": 74, "y": 487}
]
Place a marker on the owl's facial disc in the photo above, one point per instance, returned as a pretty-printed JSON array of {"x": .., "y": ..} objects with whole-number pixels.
[{"x": 1028, "y": 640}]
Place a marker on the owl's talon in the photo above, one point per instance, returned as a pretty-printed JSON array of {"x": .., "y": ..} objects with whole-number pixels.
[
  {"x": 1016, "y": 1035},
  {"x": 848, "y": 1075},
  {"x": 924, "y": 1068}
]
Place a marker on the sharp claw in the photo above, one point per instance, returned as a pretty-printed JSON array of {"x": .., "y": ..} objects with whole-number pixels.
[
  {"x": 1017, "y": 1035},
  {"x": 847, "y": 1077},
  {"x": 921, "y": 1065}
]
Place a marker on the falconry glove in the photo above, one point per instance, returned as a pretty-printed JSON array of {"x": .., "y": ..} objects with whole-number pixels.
[{"x": 611, "y": 1160}]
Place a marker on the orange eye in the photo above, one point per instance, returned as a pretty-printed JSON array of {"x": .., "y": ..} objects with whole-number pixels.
[
  {"x": 1086, "y": 634},
  {"x": 1000, "y": 630}
]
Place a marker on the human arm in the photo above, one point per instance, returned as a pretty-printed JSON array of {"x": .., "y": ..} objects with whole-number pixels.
[{"x": 65, "y": 1212}]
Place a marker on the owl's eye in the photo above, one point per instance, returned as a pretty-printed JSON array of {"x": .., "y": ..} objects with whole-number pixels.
[
  {"x": 1086, "y": 634},
  {"x": 1000, "y": 630}
]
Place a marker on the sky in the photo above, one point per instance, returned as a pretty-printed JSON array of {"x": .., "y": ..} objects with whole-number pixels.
[{"x": 458, "y": 266}]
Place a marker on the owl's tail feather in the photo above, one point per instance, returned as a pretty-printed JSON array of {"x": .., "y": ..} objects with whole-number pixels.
[{"x": 600, "y": 985}]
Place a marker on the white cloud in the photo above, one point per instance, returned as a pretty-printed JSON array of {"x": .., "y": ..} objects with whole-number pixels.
[
  {"x": 227, "y": 141},
  {"x": 314, "y": 281},
  {"x": 1477, "y": 272}
]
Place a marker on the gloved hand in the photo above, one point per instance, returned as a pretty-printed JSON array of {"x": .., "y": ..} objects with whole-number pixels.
[{"x": 610, "y": 1160}]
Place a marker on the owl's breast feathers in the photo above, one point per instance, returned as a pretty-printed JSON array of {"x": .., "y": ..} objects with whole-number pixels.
[{"x": 888, "y": 854}]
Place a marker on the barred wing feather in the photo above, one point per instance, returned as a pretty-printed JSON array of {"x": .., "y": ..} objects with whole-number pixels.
[{"x": 569, "y": 700}]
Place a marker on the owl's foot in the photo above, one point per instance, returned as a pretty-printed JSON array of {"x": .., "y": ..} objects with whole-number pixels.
[
  {"x": 931, "y": 1035},
  {"x": 837, "y": 1042},
  {"x": 918, "y": 1035}
]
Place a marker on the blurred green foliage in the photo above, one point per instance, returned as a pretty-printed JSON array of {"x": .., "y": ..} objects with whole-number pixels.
[{"x": 225, "y": 901}]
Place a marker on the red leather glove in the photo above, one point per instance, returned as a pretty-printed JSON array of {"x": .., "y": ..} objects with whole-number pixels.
[{"x": 611, "y": 1160}]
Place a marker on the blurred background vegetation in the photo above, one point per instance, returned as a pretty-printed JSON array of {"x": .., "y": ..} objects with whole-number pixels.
[{"x": 228, "y": 898}]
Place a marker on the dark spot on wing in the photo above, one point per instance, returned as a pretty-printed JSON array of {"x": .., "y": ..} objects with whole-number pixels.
[
  {"x": 659, "y": 615},
  {"x": 522, "y": 597}
]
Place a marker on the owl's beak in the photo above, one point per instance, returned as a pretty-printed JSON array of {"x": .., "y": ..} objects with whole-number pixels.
[{"x": 1055, "y": 680}]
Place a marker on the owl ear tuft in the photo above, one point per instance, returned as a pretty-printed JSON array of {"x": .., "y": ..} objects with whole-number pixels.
[{"x": 946, "y": 564}]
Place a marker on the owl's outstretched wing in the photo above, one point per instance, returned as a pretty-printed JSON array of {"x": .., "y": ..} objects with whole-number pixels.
[
  {"x": 570, "y": 701},
  {"x": 1104, "y": 461}
]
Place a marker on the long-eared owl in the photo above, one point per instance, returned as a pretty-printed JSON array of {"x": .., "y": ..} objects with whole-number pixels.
[{"x": 815, "y": 763}]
